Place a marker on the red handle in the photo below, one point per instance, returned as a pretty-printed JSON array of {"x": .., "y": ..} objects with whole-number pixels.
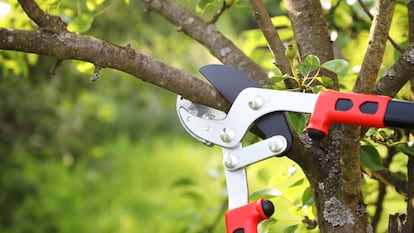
[
  {"x": 246, "y": 218},
  {"x": 347, "y": 108}
]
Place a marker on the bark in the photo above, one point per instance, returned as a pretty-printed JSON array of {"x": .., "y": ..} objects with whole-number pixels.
[
  {"x": 209, "y": 36},
  {"x": 376, "y": 46},
  {"x": 397, "y": 76},
  {"x": 272, "y": 37},
  {"x": 103, "y": 54},
  {"x": 330, "y": 168},
  {"x": 410, "y": 7}
]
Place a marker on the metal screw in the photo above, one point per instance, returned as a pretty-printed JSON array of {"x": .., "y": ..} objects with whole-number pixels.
[
  {"x": 277, "y": 144},
  {"x": 256, "y": 102},
  {"x": 230, "y": 161},
  {"x": 227, "y": 134}
]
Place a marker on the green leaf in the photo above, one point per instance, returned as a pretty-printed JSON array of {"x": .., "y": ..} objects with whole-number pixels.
[
  {"x": 298, "y": 121},
  {"x": 326, "y": 81},
  {"x": 307, "y": 197},
  {"x": 405, "y": 147},
  {"x": 310, "y": 64},
  {"x": 338, "y": 66},
  {"x": 203, "y": 4},
  {"x": 278, "y": 78},
  {"x": 182, "y": 182},
  {"x": 317, "y": 89},
  {"x": 291, "y": 229},
  {"x": 81, "y": 24},
  {"x": 265, "y": 193},
  {"x": 266, "y": 226},
  {"x": 371, "y": 158}
]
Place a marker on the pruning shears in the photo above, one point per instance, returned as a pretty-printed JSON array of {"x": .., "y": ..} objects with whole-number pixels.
[{"x": 261, "y": 111}]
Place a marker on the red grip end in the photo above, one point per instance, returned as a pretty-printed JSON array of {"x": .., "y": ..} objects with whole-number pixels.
[
  {"x": 246, "y": 218},
  {"x": 347, "y": 108}
]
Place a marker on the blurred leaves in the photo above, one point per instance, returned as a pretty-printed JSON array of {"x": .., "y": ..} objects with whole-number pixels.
[{"x": 81, "y": 23}]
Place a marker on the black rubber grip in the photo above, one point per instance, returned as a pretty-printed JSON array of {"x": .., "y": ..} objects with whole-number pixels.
[{"x": 400, "y": 114}]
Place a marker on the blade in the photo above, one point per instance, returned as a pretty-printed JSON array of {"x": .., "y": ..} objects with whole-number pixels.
[{"x": 230, "y": 82}]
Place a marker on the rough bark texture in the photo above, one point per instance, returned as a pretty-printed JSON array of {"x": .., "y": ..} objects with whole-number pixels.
[
  {"x": 331, "y": 165},
  {"x": 208, "y": 35},
  {"x": 376, "y": 46},
  {"x": 103, "y": 54}
]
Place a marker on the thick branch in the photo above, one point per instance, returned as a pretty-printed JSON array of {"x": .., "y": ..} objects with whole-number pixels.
[
  {"x": 43, "y": 20},
  {"x": 68, "y": 45},
  {"x": 209, "y": 36},
  {"x": 351, "y": 179},
  {"x": 410, "y": 7},
  {"x": 376, "y": 46}
]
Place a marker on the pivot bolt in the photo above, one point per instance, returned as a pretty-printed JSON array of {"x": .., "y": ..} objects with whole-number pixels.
[
  {"x": 230, "y": 161},
  {"x": 256, "y": 102},
  {"x": 277, "y": 144},
  {"x": 227, "y": 134}
]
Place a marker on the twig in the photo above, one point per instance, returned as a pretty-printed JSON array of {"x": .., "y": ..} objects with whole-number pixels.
[
  {"x": 217, "y": 15},
  {"x": 368, "y": 13},
  {"x": 43, "y": 20},
  {"x": 208, "y": 36},
  {"x": 382, "y": 189},
  {"x": 55, "y": 66},
  {"x": 273, "y": 40},
  {"x": 210, "y": 227}
]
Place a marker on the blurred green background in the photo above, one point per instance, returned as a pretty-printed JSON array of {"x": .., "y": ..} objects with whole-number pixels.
[{"x": 111, "y": 155}]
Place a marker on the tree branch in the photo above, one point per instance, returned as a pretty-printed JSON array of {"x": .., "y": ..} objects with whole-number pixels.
[
  {"x": 68, "y": 45},
  {"x": 389, "y": 178},
  {"x": 273, "y": 40},
  {"x": 398, "y": 75},
  {"x": 376, "y": 46},
  {"x": 209, "y": 36},
  {"x": 43, "y": 20},
  {"x": 272, "y": 37},
  {"x": 368, "y": 13},
  {"x": 410, "y": 6}
]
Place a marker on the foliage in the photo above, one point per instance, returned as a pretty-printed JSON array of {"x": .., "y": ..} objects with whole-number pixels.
[{"x": 111, "y": 157}]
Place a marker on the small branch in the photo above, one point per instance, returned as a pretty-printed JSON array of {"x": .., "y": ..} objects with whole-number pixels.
[
  {"x": 55, "y": 66},
  {"x": 95, "y": 74},
  {"x": 398, "y": 75},
  {"x": 376, "y": 46},
  {"x": 209, "y": 36},
  {"x": 107, "y": 55},
  {"x": 273, "y": 40},
  {"x": 216, "y": 16},
  {"x": 382, "y": 189},
  {"x": 368, "y": 13},
  {"x": 389, "y": 178},
  {"x": 43, "y": 20}
]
